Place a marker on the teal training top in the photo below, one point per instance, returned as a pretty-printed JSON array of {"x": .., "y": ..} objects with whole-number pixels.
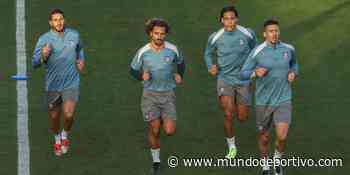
[
  {"x": 159, "y": 65},
  {"x": 230, "y": 50},
  {"x": 61, "y": 70},
  {"x": 272, "y": 89}
]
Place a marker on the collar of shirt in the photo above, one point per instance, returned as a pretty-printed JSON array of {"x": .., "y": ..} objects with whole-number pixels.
[
  {"x": 273, "y": 46},
  {"x": 56, "y": 34}
]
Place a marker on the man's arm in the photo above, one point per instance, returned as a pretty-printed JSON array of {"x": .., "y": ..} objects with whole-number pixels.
[
  {"x": 293, "y": 63},
  {"x": 253, "y": 41},
  {"x": 37, "y": 58},
  {"x": 248, "y": 69},
  {"x": 80, "y": 56},
  {"x": 180, "y": 64},
  {"x": 209, "y": 53},
  {"x": 135, "y": 67}
]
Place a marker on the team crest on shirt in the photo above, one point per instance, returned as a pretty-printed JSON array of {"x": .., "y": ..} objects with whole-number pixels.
[
  {"x": 71, "y": 43},
  {"x": 285, "y": 55},
  {"x": 167, "y": 59},
  {"x": 241, "y": 42}
]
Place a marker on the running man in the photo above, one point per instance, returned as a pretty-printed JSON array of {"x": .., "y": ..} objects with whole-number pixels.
[
  {"x": 230, "y": 46},
  {"x": 274, "y": 67},
  {"x": 153, "y": 65},
  {"x": 61, "y": 51}
]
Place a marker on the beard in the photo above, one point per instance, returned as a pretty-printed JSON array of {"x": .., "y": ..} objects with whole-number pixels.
[
  {"x": 59, "y": 28},
  {"x": 158, "y": 42}
]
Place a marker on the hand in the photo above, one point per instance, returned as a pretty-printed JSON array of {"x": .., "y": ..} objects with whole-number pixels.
[
  {"x": 260, "y": 71},
  {"x": 178, "y": 78},
  {"x": 146, "y": 76},
  {"x": 80, "y": 65},
  {"x": 46, "y": 50},
  {"x": 213, "y": 70},
  {"x": 291, "y": 76}
]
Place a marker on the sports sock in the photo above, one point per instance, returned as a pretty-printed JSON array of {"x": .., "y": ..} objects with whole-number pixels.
[{"x": 155, "y": 154}]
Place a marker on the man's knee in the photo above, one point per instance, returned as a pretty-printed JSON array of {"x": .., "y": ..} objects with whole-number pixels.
[
  {"x": 243, "y": 112},
  {"x": 154, "y": 128},
  {"x": 264, "y": 137},
  {"x": 242, "y": 116},
  {"x": 282, "y": 132},
  {"x": 68, "y": 114},
  {"x": 169, "y": 130},
  {"x": 228, "y": 113},
  {"x": 169, "y": 127},
  {"x": 281, "y": 137}
]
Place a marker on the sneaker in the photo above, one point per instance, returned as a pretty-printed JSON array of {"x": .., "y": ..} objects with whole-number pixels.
[
  {"x": 57, "y": 149},
  {"x": 65, "y": 146},
  {"x": 278, "y": 170},
  {"x": 232, "y": 153},
  {"x": 156, "y": 168},
  {"x": 266, "y": 172}
]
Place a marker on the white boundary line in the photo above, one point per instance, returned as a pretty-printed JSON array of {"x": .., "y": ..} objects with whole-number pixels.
[{"x": 22, "y": 92}]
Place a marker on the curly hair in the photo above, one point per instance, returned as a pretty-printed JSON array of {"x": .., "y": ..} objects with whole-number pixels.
[{"x": 156, "y": 22}]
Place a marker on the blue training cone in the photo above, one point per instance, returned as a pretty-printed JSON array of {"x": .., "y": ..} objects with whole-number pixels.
[{"x": 19, "y": 77}]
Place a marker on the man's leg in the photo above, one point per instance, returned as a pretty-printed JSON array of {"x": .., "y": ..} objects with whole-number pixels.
[
  {"x": 263, "y": 142},
  {"x": 54, "y": 120},
  {"x": 68, "y": 111},
  {"x": 154, "y": 135},
  {"x": 168, "y": 113},
  {"x": 154, "y": 142},
  {"x": 282, "y": 120},
  {"x": 243, "y": 112},
  {"x": 263, "y": 122},
  {"x": 227, "y": 104},
  {"x": 169, "y": 126},
  {"x": 151, "y": 114},
  {"x": 70, "y": 98},
  {"x": 54, "y": 101},
  {"x": 243, "y": 101},
  {"x": 281, "y": 136}
]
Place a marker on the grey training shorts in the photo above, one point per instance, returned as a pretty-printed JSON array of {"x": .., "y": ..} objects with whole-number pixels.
[
  {"x": 265, "y": 115},
  {"x": 242, "y": 94},
  {"x": 158, "y": 105},
  {"x": 56, "y": 98}
]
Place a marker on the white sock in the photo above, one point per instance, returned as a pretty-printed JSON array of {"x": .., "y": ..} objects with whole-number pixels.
[
  {"x": 277, "y": 154},
  {"x": 155, "y": 155},
  {"x": 57, "y": 139},
  {"x": 64, "y": 134},
  {"x": 265, "y": 166},
  {"x": 231, "y": 142}
]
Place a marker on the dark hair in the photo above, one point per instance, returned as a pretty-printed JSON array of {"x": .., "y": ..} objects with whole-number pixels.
[
  {"x": 228, "y": 9},
  {"x": 151, "y": 23},
  {"x": 55, "y": 11},
  {"x": 270, "y": 22}
]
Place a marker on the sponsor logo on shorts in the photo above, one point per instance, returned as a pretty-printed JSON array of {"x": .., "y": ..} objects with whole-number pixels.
[{"x": 222, "y": 89}]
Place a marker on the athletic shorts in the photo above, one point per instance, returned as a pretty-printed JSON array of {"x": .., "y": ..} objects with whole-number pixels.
[
  {"x": 158, "y": 105},
  {"x": 242, "y": 94},
  {"x": 56, "y": 98},
  {"x": 266, "y": 115}
]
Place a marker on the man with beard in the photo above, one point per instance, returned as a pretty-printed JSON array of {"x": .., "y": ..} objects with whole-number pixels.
[
  {"x": 153, "y": 65},
  {"x": 61, "y": 51}
]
